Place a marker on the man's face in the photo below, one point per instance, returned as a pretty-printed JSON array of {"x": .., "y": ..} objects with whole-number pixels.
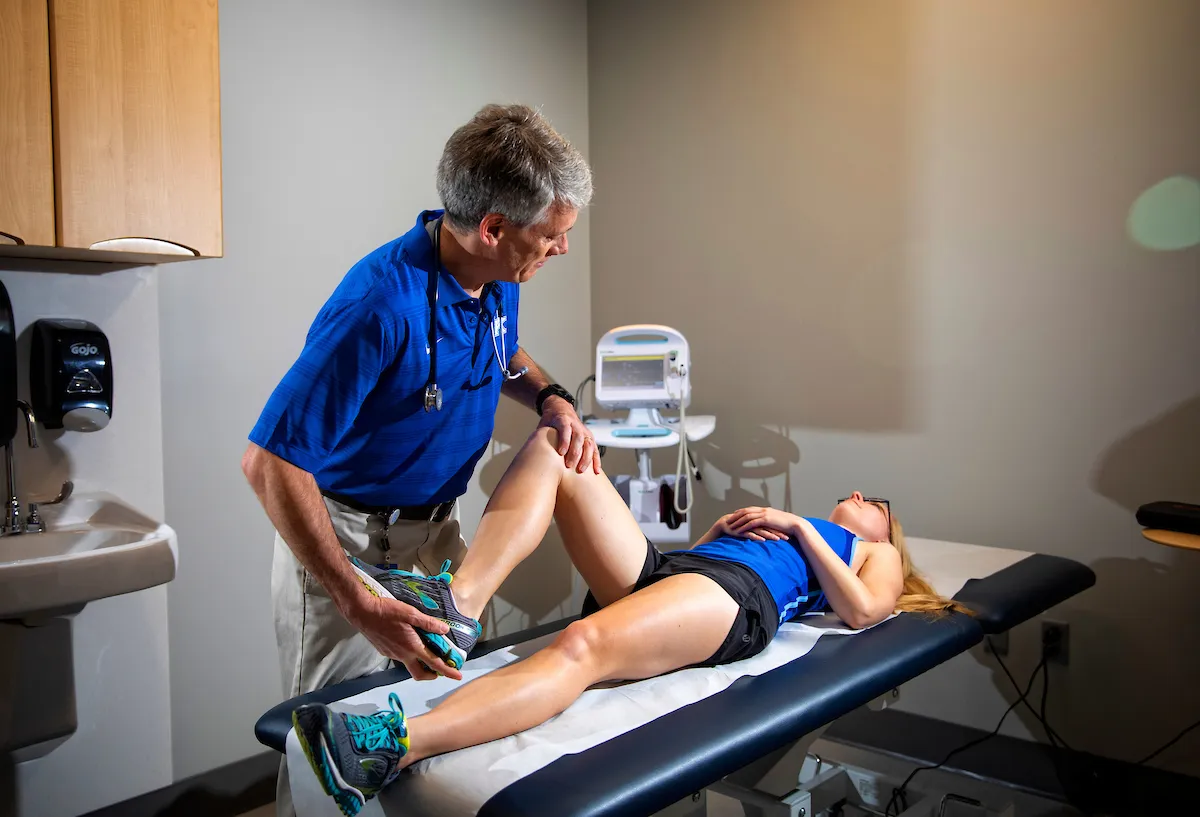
[{"x": 522, "y": 251}]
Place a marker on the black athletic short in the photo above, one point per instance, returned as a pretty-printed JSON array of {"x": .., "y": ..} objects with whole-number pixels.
[{"x": 757, "y": 619}]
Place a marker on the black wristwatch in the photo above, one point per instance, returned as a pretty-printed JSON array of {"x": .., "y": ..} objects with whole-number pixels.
[{"x": 553, "y": 390}]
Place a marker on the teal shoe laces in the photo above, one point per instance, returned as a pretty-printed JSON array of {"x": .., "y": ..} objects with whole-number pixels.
[
  {"x": 383, "y": 730},
  {"x": 445, "y": 574}
]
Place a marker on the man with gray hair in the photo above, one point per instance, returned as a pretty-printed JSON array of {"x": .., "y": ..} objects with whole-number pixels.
[{"x": 371, "y": 436}]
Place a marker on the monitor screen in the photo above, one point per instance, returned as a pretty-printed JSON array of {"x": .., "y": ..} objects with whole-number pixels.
[{"x": 633, "y": 372}]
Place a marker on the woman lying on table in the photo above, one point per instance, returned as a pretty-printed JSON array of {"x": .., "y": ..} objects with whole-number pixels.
[{"x": 646, "y": 612}]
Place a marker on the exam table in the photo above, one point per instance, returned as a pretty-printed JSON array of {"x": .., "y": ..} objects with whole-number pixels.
[{"x": 656, "y": 746}]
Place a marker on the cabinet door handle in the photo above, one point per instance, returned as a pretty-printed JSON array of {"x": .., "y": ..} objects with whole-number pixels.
[
  {"x": 9, "y": 238},
  {"x": 156, "y": 246}
]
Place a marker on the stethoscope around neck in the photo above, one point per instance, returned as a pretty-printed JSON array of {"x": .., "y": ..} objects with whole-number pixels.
[{"x": 433, "y": 392}]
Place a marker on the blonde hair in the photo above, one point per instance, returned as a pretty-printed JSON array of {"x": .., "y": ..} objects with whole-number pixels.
[{"x": 918, "y": 595}]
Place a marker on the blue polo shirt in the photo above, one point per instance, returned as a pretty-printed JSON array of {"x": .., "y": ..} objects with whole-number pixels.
[{"x": 350, "y": 410}]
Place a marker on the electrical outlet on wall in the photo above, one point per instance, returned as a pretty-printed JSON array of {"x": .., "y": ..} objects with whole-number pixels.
[{"x": 1055, "y": 641}]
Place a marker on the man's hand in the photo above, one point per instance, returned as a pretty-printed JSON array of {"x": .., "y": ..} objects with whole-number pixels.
[
  {"x": 770, "y": 523},
  {"x": 295, "y": 506},
  {"x": 388, "y": 624},
  {"x": 575, "y": 441}
]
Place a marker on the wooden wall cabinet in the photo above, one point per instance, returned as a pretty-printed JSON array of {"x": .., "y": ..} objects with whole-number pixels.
[
  {"x": 26, "y": 154},
  {"x": 114, "y": 151}
]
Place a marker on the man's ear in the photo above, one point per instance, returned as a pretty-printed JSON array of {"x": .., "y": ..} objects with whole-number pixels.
[{"x": 491, "y": 228}]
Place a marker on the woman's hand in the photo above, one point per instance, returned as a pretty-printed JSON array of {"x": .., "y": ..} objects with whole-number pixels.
[
  {"x": 750, "y": 523},
  {"x": 767, "y": 523}
]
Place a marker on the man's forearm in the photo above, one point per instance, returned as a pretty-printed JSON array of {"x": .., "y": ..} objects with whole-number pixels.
[
  {"x": 293, "y": 503},
  {"x": 525, "y": 388}
]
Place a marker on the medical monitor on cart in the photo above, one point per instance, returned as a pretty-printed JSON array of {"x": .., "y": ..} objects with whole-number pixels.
[{"x": 642, "y": 367}]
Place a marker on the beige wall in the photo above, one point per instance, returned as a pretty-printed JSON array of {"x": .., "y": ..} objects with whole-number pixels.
[
  {"x": 333, "y": 119},
  {"x": 896, "y": 237}
]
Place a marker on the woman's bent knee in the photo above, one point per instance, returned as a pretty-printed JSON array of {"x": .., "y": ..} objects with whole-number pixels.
[
  {"x": 544, "y": 437},
  {"x": 580, "y": 643},
  {"x": 544, "y": 442}
]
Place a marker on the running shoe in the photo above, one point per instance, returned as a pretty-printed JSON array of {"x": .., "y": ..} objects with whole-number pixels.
[
  {"x": 354, "y": 756},
  {"x": 431, "y": 595}
]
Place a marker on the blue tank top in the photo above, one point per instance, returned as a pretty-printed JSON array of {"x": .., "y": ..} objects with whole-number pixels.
[{"x": 782, "y": 565}]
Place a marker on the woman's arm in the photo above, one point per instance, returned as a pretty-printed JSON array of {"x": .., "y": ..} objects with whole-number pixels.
[
  {"x": 861, "y": 600},
  {"x": 711, "y": 534},
  {"x": 725, "y": 527}
]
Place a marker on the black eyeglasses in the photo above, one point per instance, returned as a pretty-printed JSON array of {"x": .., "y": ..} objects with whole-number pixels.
[{"x": 887, "y": 508}]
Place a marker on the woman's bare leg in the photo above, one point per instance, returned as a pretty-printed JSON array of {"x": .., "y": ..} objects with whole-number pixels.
[
  {"x": 599, "y": 532},
  {"x": 678, "y": 621}
]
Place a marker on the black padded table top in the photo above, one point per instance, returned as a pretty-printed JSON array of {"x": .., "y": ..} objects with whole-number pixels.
[
  {"x": 648, "y": 768},
  {"x": 1023, "y": 590},
  {"x": 651, "y": 766}
]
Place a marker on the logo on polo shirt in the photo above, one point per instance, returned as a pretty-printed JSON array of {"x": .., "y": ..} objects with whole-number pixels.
[{"x": 499, "y": 324}]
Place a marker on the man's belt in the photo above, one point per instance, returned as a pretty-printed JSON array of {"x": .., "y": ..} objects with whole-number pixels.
[{"x": 412, "y": 513}]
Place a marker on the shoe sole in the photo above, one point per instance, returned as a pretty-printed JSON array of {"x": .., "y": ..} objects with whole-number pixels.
[
  {"x": 441, "y": 646},
  {"x": 312, "y": 730}
]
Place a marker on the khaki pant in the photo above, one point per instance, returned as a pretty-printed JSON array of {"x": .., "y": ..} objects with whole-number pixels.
[{"x": 317, "y": 646}]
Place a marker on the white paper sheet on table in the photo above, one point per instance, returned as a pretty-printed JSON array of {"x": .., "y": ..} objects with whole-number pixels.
[{"x": 459, "y": 783}]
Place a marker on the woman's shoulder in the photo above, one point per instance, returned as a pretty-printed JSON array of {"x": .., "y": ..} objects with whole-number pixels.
[{"x": 879, "y": 551}]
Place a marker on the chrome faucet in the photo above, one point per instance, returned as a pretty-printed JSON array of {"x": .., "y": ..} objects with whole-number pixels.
[{"x": 12, "y": 522}]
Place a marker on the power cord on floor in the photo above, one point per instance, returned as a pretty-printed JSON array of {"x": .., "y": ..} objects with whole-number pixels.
[
  {"x": 1057, "y": 739},
  {"x": 1167, "y": 745},
  {"x": 899, "y": 794},
  {"x": 1040, "y": 715}
]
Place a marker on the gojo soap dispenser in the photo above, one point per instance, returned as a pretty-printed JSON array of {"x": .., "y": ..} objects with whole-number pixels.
[{"x": 70, "y": 375}]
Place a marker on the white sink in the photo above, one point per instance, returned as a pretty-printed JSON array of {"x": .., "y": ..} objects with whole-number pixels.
[{"x": 94, "y": 546}]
